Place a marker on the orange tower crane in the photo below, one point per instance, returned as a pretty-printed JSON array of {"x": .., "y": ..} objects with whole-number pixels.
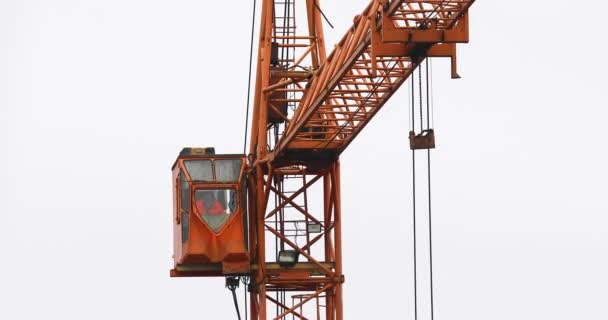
[{"x": 275, "y": 216}]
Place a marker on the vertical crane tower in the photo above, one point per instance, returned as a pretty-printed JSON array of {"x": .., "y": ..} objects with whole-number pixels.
[{"x": 308, "y": 107}]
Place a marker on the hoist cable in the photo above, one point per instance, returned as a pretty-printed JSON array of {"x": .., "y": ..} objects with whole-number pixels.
[
  {"x": 414, "y": 231},
  {"x": 323, "y": 14},
  {"x": 432, "y": 96},
  {"x": 414, "y": 203},
  {"x": 420, "y": 96},
  {"x": 249, "y": 77},
  {"x": 413, "y": 103},
  {"x": 428, "y": 153},
  {"x": 428, "y": 105},
  {"x": 409, "y": 114},
  {"x": 421, "y": 102}
]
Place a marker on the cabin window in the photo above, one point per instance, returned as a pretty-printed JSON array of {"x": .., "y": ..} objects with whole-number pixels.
[
  {"x": 185, "y": 226},
  {"x": 215, "y": 206},
  {"x": 227, "y": 170},
  {"x": 199, "y": 170},
  {"x": 185, "y": 192},
  {"x": 185, "y": 205}
]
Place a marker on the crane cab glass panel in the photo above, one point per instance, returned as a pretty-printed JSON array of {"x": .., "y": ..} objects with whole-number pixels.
[
  {"x": 215, "y": 206},
  {"x": 210, "y": 226}
]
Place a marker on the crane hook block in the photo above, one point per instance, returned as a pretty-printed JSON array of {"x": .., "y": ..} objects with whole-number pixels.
[{"x": 423, "y": 140}]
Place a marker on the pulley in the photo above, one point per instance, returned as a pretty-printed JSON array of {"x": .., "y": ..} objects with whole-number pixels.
[{"x": 423, "y": 140}]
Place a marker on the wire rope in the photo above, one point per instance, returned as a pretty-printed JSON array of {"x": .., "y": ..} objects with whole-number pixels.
[
  {"x": 245, "y": 283},
  {"x": 249, "y": 78},
  {"x": 245, "y": 137},
  {"x": 428, "y": 105},
  {"x": 236, "y": 304},
  {"x": 428, "y": 153},
  {"x": 423, "y": 92},
  {"x": 409, "y": 109},
  {"x": 323, "y": 14},
  {"x": 232, "y": 283},
  {"x": 420, "y": 96},
  {"x": 414, "y": 202},
  {"x": 432, "y": 96}
]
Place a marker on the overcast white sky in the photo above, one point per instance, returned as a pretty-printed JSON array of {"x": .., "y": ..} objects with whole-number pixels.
[{"x": 98, "y": 97}]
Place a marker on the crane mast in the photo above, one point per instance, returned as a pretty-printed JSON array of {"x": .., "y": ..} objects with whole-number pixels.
[
  {"x": 308, "y": 107},
  {"x": 273, "y": 218}
]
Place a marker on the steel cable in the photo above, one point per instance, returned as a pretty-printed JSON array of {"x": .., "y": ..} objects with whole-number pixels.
[
  {"x": 245, "y": 281},
  {"x": 414, "y": 201},
  {"x": 428, "y": 126},
  {"x": 323, "y": 14},
  {"x": 428, "y": 153},
  {"x": 236, "y": 304},
  {"x": 245, "y": 134},
  {"x": 420, "y": 96},
  {"x": 249, "y": 77},
  {"x": 232, "y": 283}
]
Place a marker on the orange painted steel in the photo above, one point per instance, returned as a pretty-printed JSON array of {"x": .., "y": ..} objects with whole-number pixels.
[
  {"x": 307, "y": 108},
  {"x": 329, "y": 100},
  {"x": 322, "y": 277}
]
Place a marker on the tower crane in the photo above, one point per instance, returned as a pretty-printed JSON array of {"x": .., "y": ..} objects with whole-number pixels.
[{"x": 271, "y": 218}]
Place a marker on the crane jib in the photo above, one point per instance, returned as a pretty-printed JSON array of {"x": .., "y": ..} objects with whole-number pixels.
[{"x": 368, "y": 65}]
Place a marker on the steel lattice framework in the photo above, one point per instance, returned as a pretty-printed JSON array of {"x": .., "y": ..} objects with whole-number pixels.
[{"x": 308, "y": 107}]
